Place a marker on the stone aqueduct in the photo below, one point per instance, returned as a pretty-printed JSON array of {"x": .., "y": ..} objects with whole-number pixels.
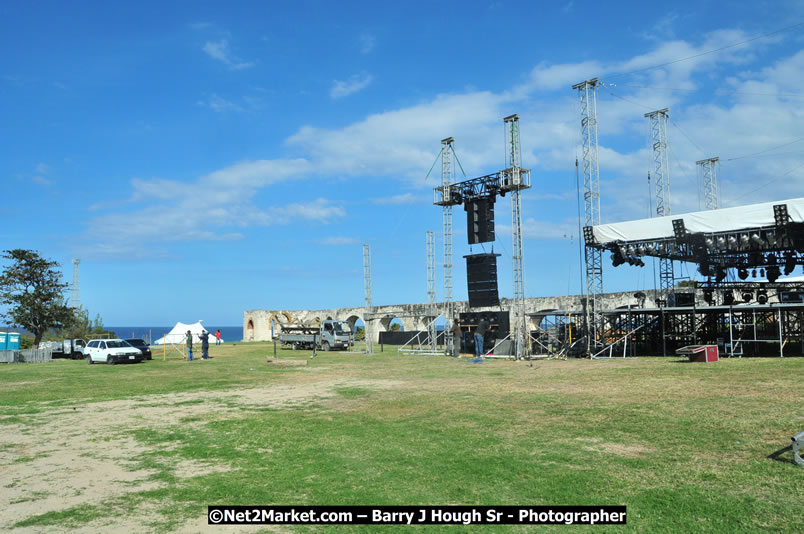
[{"x": 260, "y": 325}]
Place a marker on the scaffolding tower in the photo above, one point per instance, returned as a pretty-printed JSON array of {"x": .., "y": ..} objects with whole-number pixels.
[
  {"x": 661, "y": 175},
  {"x": 587, "y": 92},
  {"x": 431, "y": 292},
  {"x": 708, "y": 170},
  {"x": 513, "y": 154},
  {"x": 446, "y": 181},
  {"x": 75, "y": 298},
  {"x": 369, "y": 306}
]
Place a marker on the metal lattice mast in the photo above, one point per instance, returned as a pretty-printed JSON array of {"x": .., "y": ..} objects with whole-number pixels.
[
  {"x": 446, "y": 181},
  {"x": 369, "y": 305},
  {"x": 661, "y": 181},
  {"x": 519, "y": 331},
  {"x": 431, "y": 292},
  {"x": 587, "y": 92},
  {"x": 75, "y": 299},
  {"x": 708, "y": 169}
]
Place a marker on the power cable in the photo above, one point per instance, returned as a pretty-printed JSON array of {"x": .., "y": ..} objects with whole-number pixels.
[
  {"x": 716, "y": 91},
  {"x": 786, "y": 28},
  {"x": 766, "y": 150}
]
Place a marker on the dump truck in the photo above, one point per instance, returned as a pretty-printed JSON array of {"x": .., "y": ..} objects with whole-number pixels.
[
  {"x": 68, "y": 348},
  {"x": 328, "y": 335}
]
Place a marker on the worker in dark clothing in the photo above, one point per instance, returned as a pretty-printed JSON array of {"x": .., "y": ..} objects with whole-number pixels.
[
  {"x": 457, "y": 336},
  {"x": 480, "y": 335},
  {"x": 204, "y": 345}
]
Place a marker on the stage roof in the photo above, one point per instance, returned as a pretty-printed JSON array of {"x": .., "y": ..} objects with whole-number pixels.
[{"x": 710, "y": 221}]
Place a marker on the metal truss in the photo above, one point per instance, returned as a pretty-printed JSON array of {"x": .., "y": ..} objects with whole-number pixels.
[{"x": 587, "y": 92}]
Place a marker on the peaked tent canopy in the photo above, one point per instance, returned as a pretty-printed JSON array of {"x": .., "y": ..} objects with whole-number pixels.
[{"x": 179, "y": 332}]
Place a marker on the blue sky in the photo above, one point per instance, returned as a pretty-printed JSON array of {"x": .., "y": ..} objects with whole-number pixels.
[{"x": 203, "y": 159}]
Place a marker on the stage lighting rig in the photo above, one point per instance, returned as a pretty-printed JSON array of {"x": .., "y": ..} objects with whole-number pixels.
[
  {"x": 728, "y": 297},
  {"x": 762, "y": 296},
  {"x": 773, "y": 273},
  {"x": 747, "y": 296},
  {"x": 790, "y": 261},
  {"x": 742, "y": 272}
]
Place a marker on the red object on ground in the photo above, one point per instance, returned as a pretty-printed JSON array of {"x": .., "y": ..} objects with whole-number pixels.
[{"x": 700, "y": 353}]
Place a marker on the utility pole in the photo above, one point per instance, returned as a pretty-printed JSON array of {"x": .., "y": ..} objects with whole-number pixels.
[
  {"x": 587, "y": 92},
  {"x": 446, "y": 182},
  {"x": 515, "y": 182},
  {"x": 431, "y": 292},
  {"x": 661, "y": 181},
  {"x": 75, "y": 298},
  {"x": 369, "y": 307},
  {"x": 708, "y": 169}
]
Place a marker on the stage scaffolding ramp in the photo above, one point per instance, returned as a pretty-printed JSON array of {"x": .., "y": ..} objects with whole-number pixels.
[{"x": 426, "y": 343}]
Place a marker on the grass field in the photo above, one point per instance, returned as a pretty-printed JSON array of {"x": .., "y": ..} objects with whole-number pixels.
[{"x": 147, "y": 447}]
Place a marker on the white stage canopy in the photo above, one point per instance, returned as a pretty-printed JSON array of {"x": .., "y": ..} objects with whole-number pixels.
[
  {"x": 178, "y": 334},
  {"x": 710, "y": 221}
]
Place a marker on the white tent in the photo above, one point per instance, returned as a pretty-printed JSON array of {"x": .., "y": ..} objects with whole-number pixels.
[{"x": 178, "y": 334}]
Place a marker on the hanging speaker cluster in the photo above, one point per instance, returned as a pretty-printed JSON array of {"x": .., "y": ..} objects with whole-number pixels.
[
  {"x": 481, "y": 275},
  {"x": 479, "y": 219}
]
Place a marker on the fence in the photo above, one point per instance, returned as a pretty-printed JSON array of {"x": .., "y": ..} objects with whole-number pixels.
[{"x": 26, "y": 356}]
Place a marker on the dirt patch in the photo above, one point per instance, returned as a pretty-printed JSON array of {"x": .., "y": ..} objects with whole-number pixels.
[
  {"x": 61, "y": 458},
  {"x": 632, "y": 450}
]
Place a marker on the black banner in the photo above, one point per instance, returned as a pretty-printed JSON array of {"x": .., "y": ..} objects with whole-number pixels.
[{"x": 416, "y": 515}]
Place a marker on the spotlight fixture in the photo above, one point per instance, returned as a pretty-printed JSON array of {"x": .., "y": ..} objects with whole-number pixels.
[
  {"x": 744, "y": 240},
  {"x": 630, "y": 250},
  {"x": 753, "y": 273},
  {"x": 790, "y": 261},
  {"x": 756, "y": 239},
  {"x": 742, "y": 272},
  {"x": 747, "y": 296},
  {"x": 773, "y": 273},
  {"x": 708, "y": 297},
  {"x": 720, "y": 274},
  {"x": 762, "y": 296},
  {"x": 762, "y": 273},
  {"x": 728, "y": 297},
  {"x": 732, "y": 242},
  {"x": 709, "y": 243},
  {"x": 721, "y": 243}
]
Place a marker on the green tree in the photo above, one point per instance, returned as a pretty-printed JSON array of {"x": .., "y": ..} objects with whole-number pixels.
[{"x": 32, "y": 290}]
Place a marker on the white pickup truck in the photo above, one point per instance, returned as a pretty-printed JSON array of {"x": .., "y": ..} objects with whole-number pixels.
[{"x": 69, "y": 348}]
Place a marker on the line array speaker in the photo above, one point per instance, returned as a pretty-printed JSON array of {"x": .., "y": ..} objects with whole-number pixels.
[
  {"x": 481, "y": 276},
  {"x": 479, "y": 220}
]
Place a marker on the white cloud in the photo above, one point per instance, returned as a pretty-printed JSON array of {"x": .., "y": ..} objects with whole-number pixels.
[
  {"x": 367, "y": 43},
  {"x": 403, "y": 198},
  {"x": 358, "y": 82},
  {"x": 42, "y": 168},
  {"x": 219, "y": 50},
  {"x": 41, "y": 180},
  {"x": 402, "y": 143},
  {"x": 219, "y": 104}
]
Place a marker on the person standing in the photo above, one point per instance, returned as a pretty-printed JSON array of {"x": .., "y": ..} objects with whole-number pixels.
[
  {"x": 457, "y": 337},
  {"x": 480, "y": 335},
  {"x": 189, "y": 341},
  {"x": 204, "y": 345},
  {"x": 217, "y": 337}
]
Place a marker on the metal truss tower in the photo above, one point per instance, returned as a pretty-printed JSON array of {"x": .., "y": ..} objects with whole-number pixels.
[
  {"x": 75, "y": 298},
  {"x": 661, "y": 181},
  {"x": 446, "y": 181},
  {"x": 369, "y": 306},
  {"x": 431, "y": 292},
  {"x": 708, "y": 168},
  {"x": 587, "y": 92},
  {"x": 513, "y": 153}
]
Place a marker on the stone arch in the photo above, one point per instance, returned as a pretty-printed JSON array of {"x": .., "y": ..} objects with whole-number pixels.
[
  {"x": 250, "y": 330},
  {"x": 538, "y": 317}
]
